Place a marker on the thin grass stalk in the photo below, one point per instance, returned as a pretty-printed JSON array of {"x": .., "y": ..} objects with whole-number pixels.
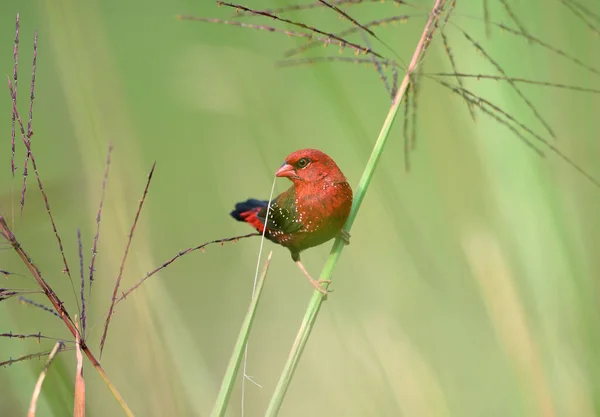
[
  {"x": 317, "y": 299},
  {"x": 124, "y": 259},
  {"x": 31, "y": 356},
  {"x": 38, "y": 385},
  {"x": 233, "y": 367}
]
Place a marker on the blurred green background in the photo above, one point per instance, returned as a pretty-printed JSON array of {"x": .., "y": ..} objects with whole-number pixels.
[{"x": 470, "y": 286}]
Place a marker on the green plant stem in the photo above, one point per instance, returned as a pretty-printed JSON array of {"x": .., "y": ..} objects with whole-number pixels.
[
  {"x": 317, "y": 299},
  {"x": 233, "y": 367}
]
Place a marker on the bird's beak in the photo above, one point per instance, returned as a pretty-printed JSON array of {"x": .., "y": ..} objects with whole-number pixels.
[{"x": 285, "y": 170}]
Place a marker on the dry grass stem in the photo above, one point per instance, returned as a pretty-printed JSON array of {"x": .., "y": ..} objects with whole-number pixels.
[
  {"x": 30, "y": 155},
  {"x": 374, "y": 23},
  {"x": 30, "y": 356},
  {"x": 24, "y": 300},
  {"x": 318, "y": 4},
  {"x": 514, "y": 80},
  {"x": 346, "y": 16},
  {"x": 39, "y": 336},
  {"x": 30, "y": 122},
  {"x": 38, "y": 385},
  {"x": 512, "y": 84},
  {"x": 82, "y": 283},
  {"x": 356, "y": 47},
  {"x": 99, "y": 217},
  {"x": 179, "y": 255},
  {"x": 122, "y": 267}
]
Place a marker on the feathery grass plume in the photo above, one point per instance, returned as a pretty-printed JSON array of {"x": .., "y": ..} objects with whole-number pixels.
[
  {"x": 32, "y": 88},
  {"x": 7, "y": 273},
  {"x": 378, "y": 67},
  {"x": 503, "y": 121},
  {"x": 58, "y": 306},
  {"x": 346, "y": 16},
  {"x": 582, "y": 15},
  {"x": 317, "y": 299},
  {"x": 318, "y": 4},
  {"x": 363, "y": 29},
  {"x": 6, "y": 293},
  {"x": 452, "y": 61},
  {"x": 179, "y": 255},
  {"x": 545, "y": 45},
  {"x": 319, "y": 59},
  {"x": 318, "y": 40},
  {"x": 98, "y": 218},
  {"x": 357, "y": 48},
  {"x": 493, "y": 111},
  {"x": 24, "y": 300},
  {"x": 39, "y": 336},
  {"x": 30, "y": 155},
  {"x": 13, "y": 166},
  {"x": 83, "y": 318},
  {"x": 500, "y": 115},
  {"x": 30, "y": 122},
  {"x": 513, "y": 85},
  {"x": 514, "y": 80},
  {"x": 122, "y": 267},
  {"x": 474, "y": 101},
  {"x": 245, "y": 25},
  {"x": 38, "y": 386},
  {"x": 315, "y": 42},
  {"x": 14, "y": 95},
  {"x": 30, "y": 356},
  {"x": 545, "y": 142}
]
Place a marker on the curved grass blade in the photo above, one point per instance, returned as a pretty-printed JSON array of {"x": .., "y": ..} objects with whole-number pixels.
[
  {"x": 38, "y": 386},
  {"x": 233, "y": 367}
]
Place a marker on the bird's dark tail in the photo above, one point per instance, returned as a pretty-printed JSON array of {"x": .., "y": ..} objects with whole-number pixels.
[{"x": 247, "y": 211}]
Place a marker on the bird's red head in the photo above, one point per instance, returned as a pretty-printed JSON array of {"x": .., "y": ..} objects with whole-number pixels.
[{"x": 310, "y": 165}]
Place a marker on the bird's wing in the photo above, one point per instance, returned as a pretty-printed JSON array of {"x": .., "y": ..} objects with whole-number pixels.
[{"x": 281, "y": 217}]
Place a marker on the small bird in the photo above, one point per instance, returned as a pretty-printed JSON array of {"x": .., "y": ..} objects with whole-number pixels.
[{"x": 311, "y": 212}]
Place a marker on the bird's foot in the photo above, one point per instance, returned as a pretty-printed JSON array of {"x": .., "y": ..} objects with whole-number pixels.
[
  {"x": 314, "y": 282},
  {"x": 345, "y": 236},
  {"x": 318, "y": 285}
]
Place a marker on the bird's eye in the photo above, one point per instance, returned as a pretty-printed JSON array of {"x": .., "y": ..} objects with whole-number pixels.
[{"x": 303, "y": 162}]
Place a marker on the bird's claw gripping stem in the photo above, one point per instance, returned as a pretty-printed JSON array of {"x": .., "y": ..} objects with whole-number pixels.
[
  {"x": 345, "y": 236},
  {"x": 314, "y": 282},
  {"x": 318, "y": 285}
]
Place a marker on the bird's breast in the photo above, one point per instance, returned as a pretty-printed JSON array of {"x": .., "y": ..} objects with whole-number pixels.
[{"x": 324, "y": 208}]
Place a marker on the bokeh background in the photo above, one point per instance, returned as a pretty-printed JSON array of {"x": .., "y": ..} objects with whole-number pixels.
[{"x": 470, "y": 285}]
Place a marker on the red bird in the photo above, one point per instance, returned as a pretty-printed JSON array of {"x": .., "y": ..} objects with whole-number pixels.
[{"x": 311, "y": 212}]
